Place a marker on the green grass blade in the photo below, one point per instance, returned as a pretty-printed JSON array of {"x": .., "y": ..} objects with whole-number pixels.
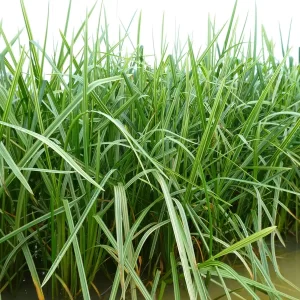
[{"x": 13, "y": 167}]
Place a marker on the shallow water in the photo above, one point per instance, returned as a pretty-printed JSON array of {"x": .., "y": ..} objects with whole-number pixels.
[
  {"x": 289, "y": 265},
  {"x": 288, "y": 261}
]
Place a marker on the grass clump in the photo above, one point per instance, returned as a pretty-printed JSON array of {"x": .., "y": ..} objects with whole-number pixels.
[{"x": 155, "y": 172}]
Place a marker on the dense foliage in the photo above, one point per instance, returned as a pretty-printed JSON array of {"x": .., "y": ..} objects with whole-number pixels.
[{"x": 156, "y": 172}]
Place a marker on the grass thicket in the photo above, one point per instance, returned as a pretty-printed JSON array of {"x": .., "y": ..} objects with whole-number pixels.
[{"x": 153, "y": 172}]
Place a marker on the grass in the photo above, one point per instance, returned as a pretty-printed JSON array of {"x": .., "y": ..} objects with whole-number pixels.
[{"x": 156, "y": 172}]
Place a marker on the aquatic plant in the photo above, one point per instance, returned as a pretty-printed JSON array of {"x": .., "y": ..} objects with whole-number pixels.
[{"x": 153, "y": 172}]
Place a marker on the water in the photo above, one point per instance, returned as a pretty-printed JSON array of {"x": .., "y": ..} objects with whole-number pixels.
[
  {"x": 289, "y": 264},
  {"x": 288, "y": 261}
]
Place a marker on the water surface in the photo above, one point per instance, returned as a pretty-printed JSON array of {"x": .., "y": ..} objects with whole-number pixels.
[{"x": 288, "y": 261}]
